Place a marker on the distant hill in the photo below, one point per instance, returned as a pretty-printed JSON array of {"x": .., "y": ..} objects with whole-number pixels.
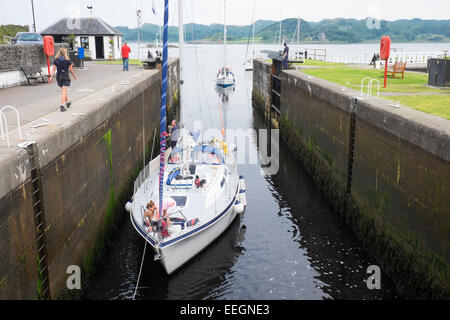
[
  {"x": 10, "y": 30},
  {"x": 325, "y": 31},
  {"x": 356, "y": 31},
  {"x": 194, "y": 32}
]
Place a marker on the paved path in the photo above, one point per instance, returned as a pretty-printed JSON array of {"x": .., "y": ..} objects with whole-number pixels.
[{"x": 35, "y": 102}]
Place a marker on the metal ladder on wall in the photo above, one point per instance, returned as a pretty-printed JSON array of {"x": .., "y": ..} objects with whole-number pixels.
[
  {"x": 351, "y": 147},
  {"x": 39, "y": 220}
]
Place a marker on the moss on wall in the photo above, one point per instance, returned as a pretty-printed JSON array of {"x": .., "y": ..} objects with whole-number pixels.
[{"x": 417, "y": 271}]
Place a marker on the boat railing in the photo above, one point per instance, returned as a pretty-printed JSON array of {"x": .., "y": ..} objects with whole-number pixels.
[{"x": 146, "y": 172}]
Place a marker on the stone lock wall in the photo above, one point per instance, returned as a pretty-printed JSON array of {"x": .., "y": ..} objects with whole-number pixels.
[
  {"x": 393, "y": 191},
  {"x": 86, "y": 165},
  {"x": 262, "y": 86}
]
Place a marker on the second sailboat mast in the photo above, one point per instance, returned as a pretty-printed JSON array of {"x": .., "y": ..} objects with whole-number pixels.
[
  {"x": 224, "y": 33},
  {"x": 181, "y": 58}
]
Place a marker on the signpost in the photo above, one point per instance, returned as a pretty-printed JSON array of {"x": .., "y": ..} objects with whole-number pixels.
[{"x": 385, "y": 53}]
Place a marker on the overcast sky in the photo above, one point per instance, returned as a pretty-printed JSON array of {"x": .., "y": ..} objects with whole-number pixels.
[{"x": 123, "y": 12}]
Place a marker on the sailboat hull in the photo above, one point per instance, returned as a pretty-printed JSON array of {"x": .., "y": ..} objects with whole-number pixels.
[
  {"x": 225, "y": 82},
  {"x": 179, "y": 253}
]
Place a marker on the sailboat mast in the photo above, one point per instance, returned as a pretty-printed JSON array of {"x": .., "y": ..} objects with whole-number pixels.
[
  {"x": 181, "y": 57},
  {"x": 224, "y": 33},
  {"x": 164, "y": 83},
  {"x": 253, "y": 38},
  {"x": 281, "y": 18}
]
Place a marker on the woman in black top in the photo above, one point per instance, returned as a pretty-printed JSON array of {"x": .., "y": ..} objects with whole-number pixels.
[{"x": 63, "y": 65}]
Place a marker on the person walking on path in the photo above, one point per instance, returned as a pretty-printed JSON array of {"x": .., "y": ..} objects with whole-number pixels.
[
  {"x": 125, "y": 55},
  {"x": 63, "y": 65},
  {"x": 286, "y": 56}
]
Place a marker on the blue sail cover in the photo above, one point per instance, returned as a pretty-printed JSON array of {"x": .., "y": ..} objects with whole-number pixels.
[
  {"x": 208, "y": 149},
  {"x": 163, "y": 133}
]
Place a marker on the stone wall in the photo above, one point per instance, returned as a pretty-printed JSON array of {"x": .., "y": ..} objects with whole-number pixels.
[
  {"x": 262, "y": 86},
  {"x": 398, "y": 200},
  {"x": 15, "y": 56},
  {"x": 86, "y": 165}
]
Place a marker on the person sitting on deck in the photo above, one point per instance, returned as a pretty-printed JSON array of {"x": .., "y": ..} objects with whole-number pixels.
[{"x": 150, "y": 213}]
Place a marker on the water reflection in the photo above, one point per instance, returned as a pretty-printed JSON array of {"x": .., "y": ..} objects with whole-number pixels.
[
  {"x": 224, "y": 93},
  {"x": 332, "y": 249}
]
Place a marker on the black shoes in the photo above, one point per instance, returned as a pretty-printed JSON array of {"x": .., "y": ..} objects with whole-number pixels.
[{"x": 63, "y": 108}]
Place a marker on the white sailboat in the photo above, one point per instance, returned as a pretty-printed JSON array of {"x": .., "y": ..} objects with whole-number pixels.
[
  {"x": 297, "y": 52},
  {"x": 249, "y": 62},
  {"x": 197, "y": 185},
  {"x": 154, "y": 50},
  {"x": 225, "y": 77}
]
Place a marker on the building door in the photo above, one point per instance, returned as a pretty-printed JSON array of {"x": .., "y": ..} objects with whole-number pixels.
[{"x": 99, "y": 48}]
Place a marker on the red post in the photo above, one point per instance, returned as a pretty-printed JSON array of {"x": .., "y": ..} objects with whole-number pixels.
[
  {"x": 49, "y": 49},
  {"x": 48, "y": 64},
  {"x": 385, "y": 52}
]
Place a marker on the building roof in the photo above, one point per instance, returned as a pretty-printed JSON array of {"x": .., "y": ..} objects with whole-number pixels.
[{"x": 81, "y": 26}]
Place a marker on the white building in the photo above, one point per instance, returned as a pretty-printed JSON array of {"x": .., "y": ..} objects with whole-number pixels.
[{"x": 99, "y": 39}]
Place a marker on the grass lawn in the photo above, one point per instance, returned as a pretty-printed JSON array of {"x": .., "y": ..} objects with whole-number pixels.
[
  {"x": 351, "y": 77},
  {"x": 412, "y": 83},
  {"x": 438, "y": 105},
  {"x": 134, "y": 62}
]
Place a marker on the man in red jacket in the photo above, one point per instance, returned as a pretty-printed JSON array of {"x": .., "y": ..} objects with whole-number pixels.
[{"x": 125, "y": 55}]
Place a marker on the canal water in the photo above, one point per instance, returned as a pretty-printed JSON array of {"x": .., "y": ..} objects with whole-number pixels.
[{"x": 289, "y": 244}]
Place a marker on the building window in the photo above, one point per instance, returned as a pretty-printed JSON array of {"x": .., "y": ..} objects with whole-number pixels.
[
  {"x": 118, "y": 43},
  {"x": 85, "y": 42}
]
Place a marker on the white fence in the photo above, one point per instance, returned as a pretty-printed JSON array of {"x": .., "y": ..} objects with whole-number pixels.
[{"x": 408, "y": 57}]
